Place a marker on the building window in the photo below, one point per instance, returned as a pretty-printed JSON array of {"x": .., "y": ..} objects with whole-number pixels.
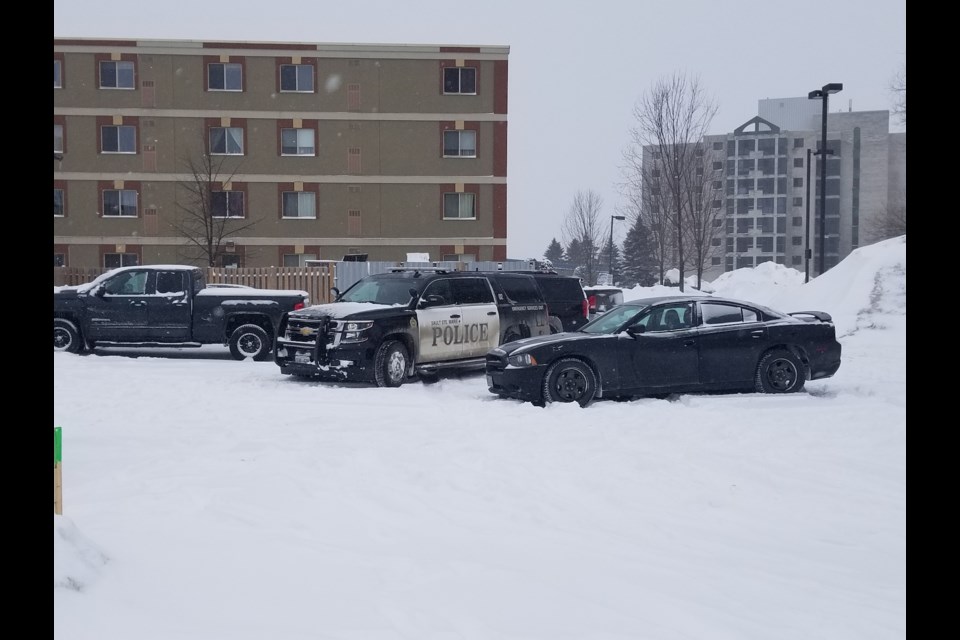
[
  {"x": 297, "y": 259},
  {"x": 227, "y": 204},
  {"x": 462, "y": 80},
  {"x": 118, "y": 139},
  {"x": 744, "y": 225},
  {"x": 58, "y": 138},
  {"x": 798, "y": 183},
  {"x": 57, "y": 203},
  {"x": 716, "y": 204},
  {"x": 765, "y": 244},
  {"x": 229, "y": 260},
  {"x": 226, "y": 141},
  {"x": 458, "y": 206},
  {"x": 796, "y": 241},
  {"x": 718, "y": 165},
  {"x": 715, "y": 242},
  {"x": 116, "y": 75},
  {"x": 717, "y": 222},
  {"x": 797, "y": 221},
  {"x": 718, "y": 184},
  {"x": 117, "y": 260},
  {"x": 59, "y": 260},
  {"x": 718, "y": 146},
  {"x": 297, "y": 142},
  {"x": 798, "y": 201},
  {"x": 715, "y": 260},
  {"x": 795, "y": 259},
  {"x": 225, "y": 76},
  {"x": 460, "y": 144},
  {"x": 744, "y": 244},
  {"x": 297, "y": 78},
  {"x": 119, "y": 203},
  {"x": 798, "y": 143},
  {"x": 57, "y": 77},
  {"x": 299, "y": 204},
  {"x": 798, "y": 162}
]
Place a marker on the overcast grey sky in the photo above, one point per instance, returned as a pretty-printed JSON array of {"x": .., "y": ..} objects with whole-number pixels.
[{"x": 576, "y": 68}]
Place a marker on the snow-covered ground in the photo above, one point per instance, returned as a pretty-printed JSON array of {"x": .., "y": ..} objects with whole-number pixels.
[{"x": 206, "y": 498}]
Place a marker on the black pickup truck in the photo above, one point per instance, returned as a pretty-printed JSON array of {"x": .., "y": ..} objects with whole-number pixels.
[{"x": 169, "y": 305}]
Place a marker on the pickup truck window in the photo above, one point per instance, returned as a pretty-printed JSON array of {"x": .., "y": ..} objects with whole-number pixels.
[
  {"x": 128, "y": 283},
  {"x": 170, "y": 282}
]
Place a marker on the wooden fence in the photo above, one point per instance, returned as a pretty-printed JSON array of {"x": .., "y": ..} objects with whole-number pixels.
[{"x": 316, "y": 281}]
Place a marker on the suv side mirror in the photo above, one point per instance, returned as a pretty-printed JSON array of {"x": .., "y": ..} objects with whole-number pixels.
[{"x": 335, "y": 292}]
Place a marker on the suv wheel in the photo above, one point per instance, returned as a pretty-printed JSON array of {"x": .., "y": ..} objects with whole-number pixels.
[{"x": 391, "y": 363}]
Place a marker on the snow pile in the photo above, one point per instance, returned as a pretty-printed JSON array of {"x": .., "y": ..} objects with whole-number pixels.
[{"x": 76, "y": 560}]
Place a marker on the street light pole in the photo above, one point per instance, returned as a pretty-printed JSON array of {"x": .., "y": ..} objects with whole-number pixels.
[
  {"x": 610, "y": 247},
  {"x": 824, "y": 94}
]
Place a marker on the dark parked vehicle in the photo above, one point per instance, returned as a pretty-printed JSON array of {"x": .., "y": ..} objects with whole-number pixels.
[
  {"x": 389, "y": 326},
  {"x": 565, "y": 300},
  {"x": 169, "y": 305},
  {"x": 667, "y": 345}
]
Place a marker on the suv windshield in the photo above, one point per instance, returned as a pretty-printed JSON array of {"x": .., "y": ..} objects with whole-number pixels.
[
  {"x": 613, "y": 320},
  {"x": 392, "y": 291}
]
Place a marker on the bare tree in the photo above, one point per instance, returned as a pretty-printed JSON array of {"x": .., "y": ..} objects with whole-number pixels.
[
  {"x": 672, "y": 119},
  {"x": 702, "y": 188},
  {"x": 898, "y": 87},
  {"x": 647, "y": 199},
  {"x": 890, "y": 221},
  {"x": 210, "y": 212},
  {"x": 584, "y": 227}
]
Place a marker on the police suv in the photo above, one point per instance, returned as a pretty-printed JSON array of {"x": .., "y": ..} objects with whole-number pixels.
[{"x": 391, "y": 326}]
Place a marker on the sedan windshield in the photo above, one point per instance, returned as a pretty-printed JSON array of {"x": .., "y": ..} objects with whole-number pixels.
[
  {"x": 613, "y": 319},
  {"x": 393, "y": 291}
]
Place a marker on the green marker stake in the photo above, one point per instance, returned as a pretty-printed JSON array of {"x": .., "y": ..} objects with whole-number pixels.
[{"x": 57, "y": 445}]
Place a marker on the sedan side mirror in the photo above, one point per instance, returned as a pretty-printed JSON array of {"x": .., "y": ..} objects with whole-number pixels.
[{"x": 636, "y": 330}]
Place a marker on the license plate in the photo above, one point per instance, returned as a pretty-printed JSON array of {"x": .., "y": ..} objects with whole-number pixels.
[{"x": 302, "y": 357}]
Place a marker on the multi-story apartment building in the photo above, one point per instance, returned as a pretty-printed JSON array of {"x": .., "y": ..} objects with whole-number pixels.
[
  {"x": 313, "y": 151},
  {"x": 762, "y": 186}
]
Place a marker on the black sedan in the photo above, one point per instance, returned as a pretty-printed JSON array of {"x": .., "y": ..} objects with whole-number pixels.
[{"x": 676, "y": 344}]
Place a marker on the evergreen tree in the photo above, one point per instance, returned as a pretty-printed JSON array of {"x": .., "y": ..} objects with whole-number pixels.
[
  {"x": 554, "y": 252},
  {"x": 639, "y": 257},
  {"x": 617, "y": 261}
]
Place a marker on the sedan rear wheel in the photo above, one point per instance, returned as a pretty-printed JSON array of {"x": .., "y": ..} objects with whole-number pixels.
[
  {"x": 570, "y": 380},
  {"x": 779, "y": 371}
]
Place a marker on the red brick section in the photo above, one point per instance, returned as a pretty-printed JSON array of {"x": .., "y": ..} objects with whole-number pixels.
[
  {"x": 500, "y": 149},
  {"x": 62, "y": 121},
  {"x": 499, "y": 252},
  {"x": 499, "y": 211},
  {"x": 128, "y": 185},
  {"x": 499, "y": 86},
  {"x": 62, "y": 184},
  {"x": 260, "y": 45},
  {"x": 312, "y": 187},
  {"x": 207, "y": 60},
  {"x": 289, "y": 60},
  {"x": 107, "y": 121},
  {"x": 106, "y": 57},
  {"x": 472, "y": 248},
  {"x": 63, "y": 68},
  {"x": 128, "y": 248}
]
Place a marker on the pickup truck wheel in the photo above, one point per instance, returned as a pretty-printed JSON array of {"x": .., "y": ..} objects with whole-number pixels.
[
  {"x": 391, "y": 363},
  {"x": 66, "y": 337},
  {"x": 250, "y": 341}
]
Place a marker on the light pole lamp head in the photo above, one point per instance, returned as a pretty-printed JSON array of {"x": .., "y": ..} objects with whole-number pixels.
[
  {"x": 618, "y": 217},
  {"x": 833, "y": 87},
  {"x": 816, "y": 93}
]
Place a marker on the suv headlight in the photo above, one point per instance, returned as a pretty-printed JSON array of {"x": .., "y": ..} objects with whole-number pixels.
[
  {"x": 354, "y": 331},
  {"x": 522, "y": 360}
]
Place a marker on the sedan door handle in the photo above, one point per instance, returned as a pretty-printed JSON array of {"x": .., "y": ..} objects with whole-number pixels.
[
  {"x": 689, "y": 343},
  {"x": 456, "y": 315},
  {"x": 491, "y": 313},
  {"x": 137, "y": 303},
  {"x": 757, "y": 333}
]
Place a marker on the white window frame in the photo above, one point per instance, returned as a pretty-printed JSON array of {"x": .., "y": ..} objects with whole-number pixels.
[
  {"x": 312, "y": 199},
  {"x": 118, "y": 63},
  {"x": 118, "y": 127},
  {"x": 462, "y": 197},
  {"x": 313, "y": 147},
  {"x": 57, "y": 74},
  {"x": 461, "y": 152},
  {"x": 226, "y": 207},
  {"x": 57, "y": 138},
  {"x": 120, "y": 192},
  {"x": 301, "y": 259},
  {"x": 458, "y": 92},
  {"x": 135, "y": 263},
  {"x": 224, "y": 66},
  {"x": 226, "y": 137},
  {"x": 313, "y": 80},
  {"x": 63, "y": 205}
]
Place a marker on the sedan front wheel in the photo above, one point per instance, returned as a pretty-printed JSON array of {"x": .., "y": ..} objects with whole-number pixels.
[{"x": 570, "y": 380}]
